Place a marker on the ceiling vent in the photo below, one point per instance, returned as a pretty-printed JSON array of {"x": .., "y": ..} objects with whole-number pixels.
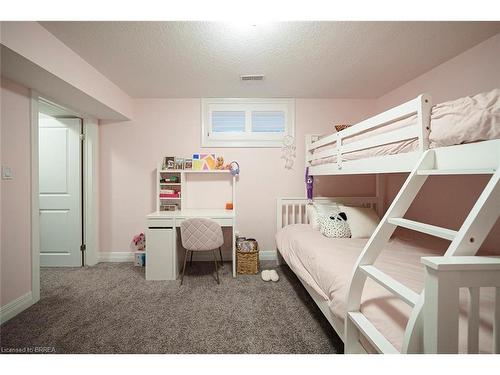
[{"x": 252, "y": 77}]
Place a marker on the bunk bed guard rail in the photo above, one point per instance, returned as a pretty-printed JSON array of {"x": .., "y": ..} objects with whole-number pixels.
[{"x": 333, "y": 145}]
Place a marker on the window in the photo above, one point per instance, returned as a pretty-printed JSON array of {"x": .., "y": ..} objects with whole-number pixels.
[{"x": 246, "y": 122}]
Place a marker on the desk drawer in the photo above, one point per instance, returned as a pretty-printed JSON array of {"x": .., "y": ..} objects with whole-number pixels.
[
  {"x": 223, "y": 222},
  {"x": 160, "y": 256},
  {"x": 160, "y": 223}
]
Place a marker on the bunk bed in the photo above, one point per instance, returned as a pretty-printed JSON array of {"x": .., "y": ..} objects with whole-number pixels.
[{"x": 372, "y": 291}]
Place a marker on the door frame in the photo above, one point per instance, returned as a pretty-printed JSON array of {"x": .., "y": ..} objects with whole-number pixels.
[{"x": 90, "y": 193}]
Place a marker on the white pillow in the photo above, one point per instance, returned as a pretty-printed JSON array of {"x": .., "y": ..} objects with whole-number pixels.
[
  {"x": 312, "y": 216},
  {"x": 334, "y": 226},
  {"x": 362, "y": 221}
]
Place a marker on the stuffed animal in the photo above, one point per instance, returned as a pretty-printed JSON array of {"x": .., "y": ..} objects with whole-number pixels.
[
  {"x": 309, "y": 184},
  {"x": 220, "y": 163},
  {"x": 139, "y": 242}
]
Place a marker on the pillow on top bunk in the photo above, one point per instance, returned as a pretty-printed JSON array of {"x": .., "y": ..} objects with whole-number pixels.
[{"x": 362, "y": 221}]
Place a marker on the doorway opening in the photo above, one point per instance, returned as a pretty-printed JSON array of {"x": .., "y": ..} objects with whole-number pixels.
[{"x": 64, "y": 188}]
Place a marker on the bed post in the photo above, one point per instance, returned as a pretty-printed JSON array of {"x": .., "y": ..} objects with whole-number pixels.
[
  {"x": 424, "y": 120},
  {"x": 279, "y": 214},
  {"x": 380, "y": 193}
]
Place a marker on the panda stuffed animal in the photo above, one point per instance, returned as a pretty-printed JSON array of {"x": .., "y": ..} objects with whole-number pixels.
[{"x": 335, "y": 225}]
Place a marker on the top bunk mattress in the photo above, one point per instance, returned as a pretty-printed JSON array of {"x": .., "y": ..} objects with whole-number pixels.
[
  {"x": 464, "y": 120},
  {"x": 326, "y": 265}
]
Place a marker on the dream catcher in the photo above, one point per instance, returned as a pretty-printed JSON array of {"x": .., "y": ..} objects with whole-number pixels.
[{"x": 288, "y": 151}]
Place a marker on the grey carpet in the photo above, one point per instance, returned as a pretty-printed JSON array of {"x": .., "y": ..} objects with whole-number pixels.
[{"x": 111, "y": 308}]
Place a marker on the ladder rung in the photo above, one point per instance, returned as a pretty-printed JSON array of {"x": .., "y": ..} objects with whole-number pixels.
[
  {"x": 405, "y": 293},
  {"x": 430, "y": 172},
  {"x": 373, "y": 335},
  {"x": 433, "y": 230}
]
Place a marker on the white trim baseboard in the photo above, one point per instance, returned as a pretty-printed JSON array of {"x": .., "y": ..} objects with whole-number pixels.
[
  {"x": 128, "y": 256},
  {"x": 268, "y": 255},
  {"x": 15, "y": 307},
  {"x": 116, "y": 256}
]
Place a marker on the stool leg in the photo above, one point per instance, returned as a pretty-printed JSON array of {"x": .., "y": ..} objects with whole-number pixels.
[
  {"x": 216, "y": 268},
  {"x": 184, "y": 268},
  {"x": 191, "y": 260},
  {"x": 221, "y": 260}
]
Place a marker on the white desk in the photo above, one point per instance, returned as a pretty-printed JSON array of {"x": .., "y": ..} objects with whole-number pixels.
[{"x": 162, "y": 262}]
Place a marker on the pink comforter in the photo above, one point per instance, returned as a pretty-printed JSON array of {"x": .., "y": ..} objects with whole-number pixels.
[{"x": 326, "y": 265}]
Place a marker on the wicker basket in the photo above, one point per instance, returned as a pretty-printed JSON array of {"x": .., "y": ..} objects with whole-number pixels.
[{"x": 247, "y": 262}]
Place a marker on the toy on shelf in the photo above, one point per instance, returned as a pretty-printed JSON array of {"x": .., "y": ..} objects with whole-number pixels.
[
  {"x": 234, "y": 168},
  {"x": 220, "y": 163},
  {"x": 172, "y": 179}
]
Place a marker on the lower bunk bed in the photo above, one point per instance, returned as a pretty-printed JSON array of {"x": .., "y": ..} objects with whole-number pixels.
[{"x": 325, "y": 268}]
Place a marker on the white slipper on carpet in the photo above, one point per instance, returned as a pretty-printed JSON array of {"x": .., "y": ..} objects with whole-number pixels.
[
  {"x": 274, "y": 275},
  {"x": 266, "y": 275}
]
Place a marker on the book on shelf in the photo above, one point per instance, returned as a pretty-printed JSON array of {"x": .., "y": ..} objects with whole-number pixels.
[
  {"x": 165, "y": 195},
  {"x": 168, "y": 191}
]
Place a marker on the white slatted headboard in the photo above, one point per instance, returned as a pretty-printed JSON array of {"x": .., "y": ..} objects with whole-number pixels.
[{"x": 293, "y": 210}]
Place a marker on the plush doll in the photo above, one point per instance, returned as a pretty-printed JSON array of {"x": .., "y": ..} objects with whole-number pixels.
[
  {"x": 139, "y": 242},
  {"x": 220, "y": 163},
  {"x": 309, "y": 184}
]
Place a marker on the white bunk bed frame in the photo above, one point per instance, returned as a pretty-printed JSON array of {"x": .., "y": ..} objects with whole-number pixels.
[
  {"x": 404, "y": 162},
  {"x": 437, "y": 305}
]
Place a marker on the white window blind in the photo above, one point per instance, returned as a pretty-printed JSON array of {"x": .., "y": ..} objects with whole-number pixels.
[
  {"x": 268, "y": 121},
  {"x": 228, "y": 121},
  {"x": 246, "y": 122}
]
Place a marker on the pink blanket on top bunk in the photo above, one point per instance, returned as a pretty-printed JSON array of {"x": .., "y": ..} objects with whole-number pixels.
[
  {"x": 326, "y": 265},
  {"x": 464, "y": 120}
]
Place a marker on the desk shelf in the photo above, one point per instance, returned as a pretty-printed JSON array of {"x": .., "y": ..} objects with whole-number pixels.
[
  {"x": 163, "y": 202},
  {"x": 167, "y": 219}
]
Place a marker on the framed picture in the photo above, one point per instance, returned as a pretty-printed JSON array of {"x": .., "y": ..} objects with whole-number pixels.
[
  {"x": 204, "y": 162},
  {"x": 188, "y": 163},
  {"x": 209, "y": 161},
  {"x": 169, "y": 162},
  {"x": 179, "y": 163}
]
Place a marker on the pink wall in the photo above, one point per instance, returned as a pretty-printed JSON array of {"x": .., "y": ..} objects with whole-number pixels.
[
  {"x": 35, "y": 43},
  {"x": 447, "y": 200},
  {"x": 129, "y": 152},
  {"x": 473, "y": 71},
  {"x": 15, "y": 252}
]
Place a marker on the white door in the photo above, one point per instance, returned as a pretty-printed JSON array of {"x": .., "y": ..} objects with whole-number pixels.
[{"x": 60, "y": 191}]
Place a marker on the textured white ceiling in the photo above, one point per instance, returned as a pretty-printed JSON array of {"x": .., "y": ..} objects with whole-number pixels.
[{"x": 298, "y": 59}]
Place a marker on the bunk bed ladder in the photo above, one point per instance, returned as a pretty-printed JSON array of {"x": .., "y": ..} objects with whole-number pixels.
[{"x": 465, "y": 241}]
